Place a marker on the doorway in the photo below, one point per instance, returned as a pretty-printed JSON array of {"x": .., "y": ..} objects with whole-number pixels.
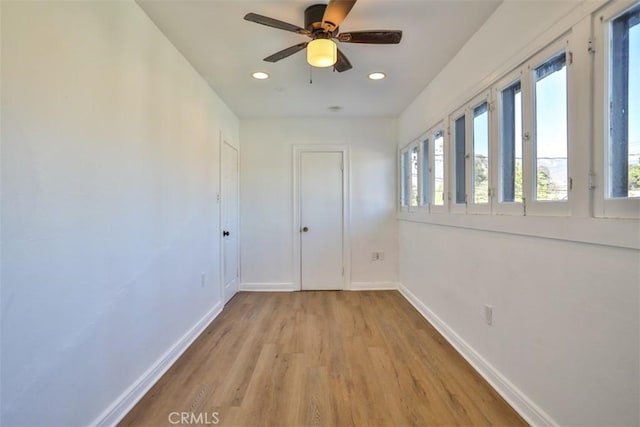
[
  {"x": 229, "y": 220},
  {"x": 321, "y": 217}
]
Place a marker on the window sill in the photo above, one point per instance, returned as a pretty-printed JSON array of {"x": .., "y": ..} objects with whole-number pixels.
[{"x": 620, "y": 233}]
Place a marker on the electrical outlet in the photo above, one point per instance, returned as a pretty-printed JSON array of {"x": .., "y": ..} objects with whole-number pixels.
[
  {"x": 374, "y": 256},
  {"x": 380, "y": 256},
  {"x": 488, "y": 315},
  {"x": 203, "y": 279}
]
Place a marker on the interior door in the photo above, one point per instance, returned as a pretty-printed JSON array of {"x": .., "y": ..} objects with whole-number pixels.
[
  {"x": 230, "y": 258},
  {"x": 321, "y": 220}
]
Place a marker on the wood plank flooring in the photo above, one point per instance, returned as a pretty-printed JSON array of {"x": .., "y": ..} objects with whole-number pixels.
[{"x": 322, "y": 359}]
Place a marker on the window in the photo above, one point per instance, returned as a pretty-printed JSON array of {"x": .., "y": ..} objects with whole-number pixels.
[
  {"x": 511, "y": 144},
  {"x": 459, "y": 175},
  {"x": 550, "y": 156},
  {"x": 424, "y": 173},
  {"x": 480, "y": 168},
  {"x": 423, "y": 180},
  {"x": 414, "y": 176},
  {"x": 405, "y": 178},
  {"x": 409, "y": 176},
  {"x": 624, "y": 105},
  {"x": 438, "y": 174},
  {"x": 616, "y": 126}
]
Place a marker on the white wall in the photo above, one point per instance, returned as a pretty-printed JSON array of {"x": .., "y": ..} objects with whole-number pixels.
[
  {"x": 110, "y": 168},
  {"x": 266, "y": 187},
  {"x": 565, "y": 343}
]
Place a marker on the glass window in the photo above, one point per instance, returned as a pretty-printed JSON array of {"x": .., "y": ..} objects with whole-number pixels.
[
  {"x": 405, "y": 170},
  {"x": 624, "y": 97},
  {"x": 414, "y": 176},
  {"x": 424, "y": 182},
  {"x": 511, "y": 144},
  {"x": 459, "y": 145},
  {"x": 551, "y": 130},
  {"x": 438, "y": 165},
  {"x": 480, "y": 168}
]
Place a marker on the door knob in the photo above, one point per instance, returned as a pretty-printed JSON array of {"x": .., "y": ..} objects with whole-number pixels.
[
  {"x": 305, "y": 229},
  {"x": 225, "y": 233}
]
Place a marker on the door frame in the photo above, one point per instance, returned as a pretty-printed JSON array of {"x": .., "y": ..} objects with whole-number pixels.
[
  {"x": 346, "y": 197},
  {"x": 224, "y": 141}
]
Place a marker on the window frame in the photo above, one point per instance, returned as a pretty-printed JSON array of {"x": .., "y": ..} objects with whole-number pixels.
[
  {"x": 454, "y": 206},
  {"x": 432, "y": 177},
  {"x": 472, "y": 207},
  {"x": 407, "y": 149},
  {"x": 500, "y": 207},
  {"x": 529, "y": 151},
  {"x": 605, "y": 206}
]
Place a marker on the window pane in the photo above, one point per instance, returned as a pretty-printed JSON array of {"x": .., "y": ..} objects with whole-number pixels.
[
  {"x": 406, "y": 178},
  {"x": 438, "y": 161},
  {"x": 414, "y": 176},
  {"x": 511, "y": 144},
  {"x": 551, "y": 130},
  {"x": 425, "y": 173},
  {"x": 459, "y": 137},
  {"x": 481, "y": 154},
  {"x": 624, "y": 149}
]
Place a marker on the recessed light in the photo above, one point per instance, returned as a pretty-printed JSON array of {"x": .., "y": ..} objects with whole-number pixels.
[
  {"x": 377, "y": 76},
  {"x": 260, "y": 75}
]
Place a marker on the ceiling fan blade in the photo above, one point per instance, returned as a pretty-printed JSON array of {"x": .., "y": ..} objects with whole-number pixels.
[
  {"x": 286, "y": 52},
  {"x": 342, "y": 64},
  {"x": 275, "y": 23},
  {"x": 371, "y": 37},
  {"x": 335, "y": 13}
]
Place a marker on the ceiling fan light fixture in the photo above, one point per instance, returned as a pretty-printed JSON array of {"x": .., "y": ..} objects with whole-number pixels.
[
  {"x": 322, "y": 53},
  {"x": 260, "y": 75},
  {"x": 377, "y": 76}
]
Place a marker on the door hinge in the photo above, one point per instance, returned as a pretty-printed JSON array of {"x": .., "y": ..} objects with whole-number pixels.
[
  {"x": 570, "y": 57},
  {"x": 592, "y": 181},
  {"x": 492, "y": 106},
  {"x": 590, "y": 48},
  {"x": 570, "y": 183}
]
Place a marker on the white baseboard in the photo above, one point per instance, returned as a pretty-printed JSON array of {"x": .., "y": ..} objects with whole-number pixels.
[
  {"x": 268, "y": 287},
  {"x": 373, "y": 286},
  {"x": 127, "y": 400},
  {"x": 518, "y": 400},
  {"x": 291, "y": 287}
]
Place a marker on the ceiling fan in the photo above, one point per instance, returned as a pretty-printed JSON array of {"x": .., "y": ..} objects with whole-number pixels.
[{"x": 322, "y": 23}]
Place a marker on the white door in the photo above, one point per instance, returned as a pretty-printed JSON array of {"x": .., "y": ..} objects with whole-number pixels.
[
  {"x": 230, "y": 261},
  {"x": 321, "y": 220}
]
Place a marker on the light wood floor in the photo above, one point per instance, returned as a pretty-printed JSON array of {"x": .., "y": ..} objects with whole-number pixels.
[{"x": 323, "y": 358}]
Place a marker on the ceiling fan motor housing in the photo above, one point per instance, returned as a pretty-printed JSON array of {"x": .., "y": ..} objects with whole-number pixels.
[{"x": 313, "y": 19}]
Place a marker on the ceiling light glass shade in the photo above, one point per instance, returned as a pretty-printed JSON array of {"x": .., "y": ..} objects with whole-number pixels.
[{"x": 322, "y": 53}]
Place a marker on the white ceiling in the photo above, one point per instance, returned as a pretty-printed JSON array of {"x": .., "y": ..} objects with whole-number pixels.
[{"x": 225, "y": 49}]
